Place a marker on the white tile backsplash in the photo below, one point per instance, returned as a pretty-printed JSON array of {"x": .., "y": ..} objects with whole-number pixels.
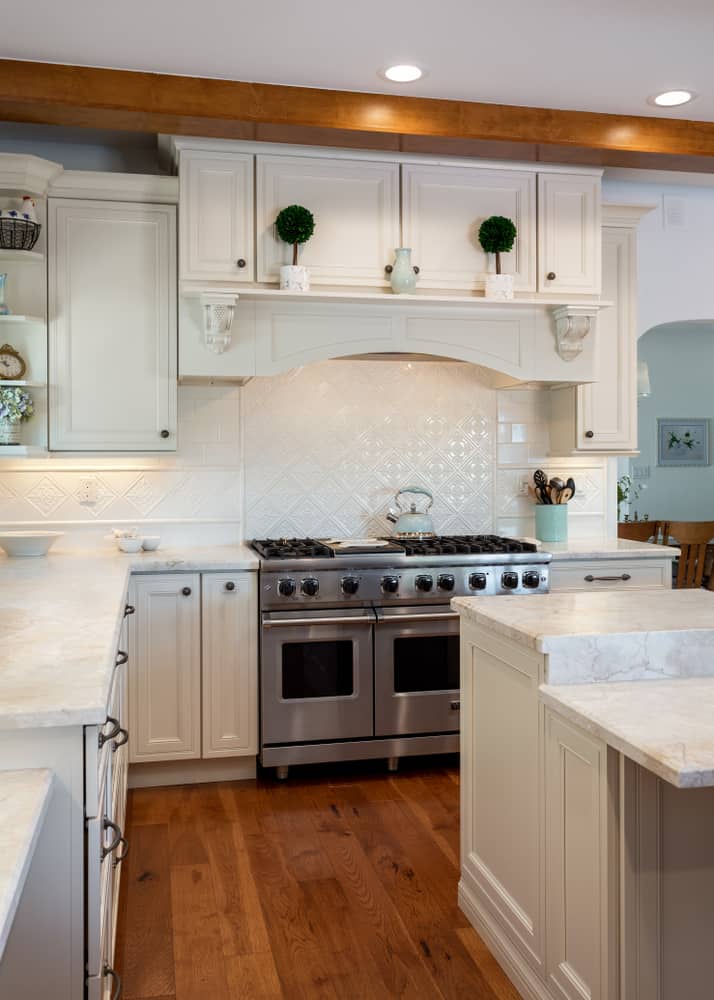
[{"x": 321, "y": 450}]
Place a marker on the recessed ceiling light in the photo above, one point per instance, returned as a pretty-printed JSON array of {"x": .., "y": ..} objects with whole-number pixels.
[
  {"x": 672, "y": 98},
  {"x": 404, "y": 73}
]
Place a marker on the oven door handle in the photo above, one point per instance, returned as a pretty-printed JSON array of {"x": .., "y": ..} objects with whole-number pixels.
[
  {"x": 436, "y": 616},
  {"x": 291, "y": 622}
]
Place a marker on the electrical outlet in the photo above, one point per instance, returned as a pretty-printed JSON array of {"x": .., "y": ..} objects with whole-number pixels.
[
  {"x": 640, "y": 471},
  {"x": 87, "y": 491},
  {"x": 523, "y": 486}
]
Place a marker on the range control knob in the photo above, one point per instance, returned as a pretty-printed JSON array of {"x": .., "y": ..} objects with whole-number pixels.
[
  {"x": 424, "y": 583},
  {"x": 478, "y": 581},
  {"x": 310, "y": 586},
  {"x": 531, "y": 579},
  {"x": 350, "y": 585},
  {"x": 286, "y": 588},
  {"x": 445, "y": 581},
  {"x": 390, "y": 584},
  {"x": 510, "y": 580}
]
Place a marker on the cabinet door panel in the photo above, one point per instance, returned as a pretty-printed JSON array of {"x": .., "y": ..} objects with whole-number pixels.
[
  {"x": 356, "y": 208},
  {"x": 112, "y": 326},
  {"x": 569, "y": 233},
  {"x": 608, "y": 407},
  {"x": 165, "y": 668},
  {"x": 217, "y": 216},
  {"x": 576, "y": 876},
  {"x": 442, "y": 210},
  {"x": 230, "y": 664}
]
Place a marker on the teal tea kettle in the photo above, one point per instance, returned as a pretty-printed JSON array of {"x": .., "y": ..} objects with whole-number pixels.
[{"x": 411, "y": 523}]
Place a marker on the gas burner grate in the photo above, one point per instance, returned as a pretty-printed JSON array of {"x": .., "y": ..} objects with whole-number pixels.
[
  {"x": 448, "y": 545},
  {"x": 291, "y": 548}
]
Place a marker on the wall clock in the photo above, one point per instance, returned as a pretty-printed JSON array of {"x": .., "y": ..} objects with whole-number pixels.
[{"x": 12, "y": 365}]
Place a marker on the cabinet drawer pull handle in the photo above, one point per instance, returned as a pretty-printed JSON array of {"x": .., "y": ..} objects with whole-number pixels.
[
  {"x": 455, "y": 706},
  {"x": 116, "y": 981},
  {"x": 240, "y": 262},
  {"x": 186, "y": 591},
  {"x": 388, "y": 269},
  {"x": 115, "y": 730},
  {"x": 129, "y": 610},
  {"x": 118, "y": 837},
  {"x": 121, "y": 659},
  {"x": 607, "y": 579},
  {"x": 550, "y": 275},
  {"x": 120, "y": 739},
  {"x": 165, "y": 433},
  {"x": 230, "y": 586},
  {"x": 589, "y": 434},
  {"x": 122, "y": 852},
  {"x": 415, "y": 269}
]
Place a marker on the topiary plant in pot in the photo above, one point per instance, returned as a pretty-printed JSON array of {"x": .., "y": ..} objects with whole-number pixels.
[
  {"x": 295, "y": 225},
  {"x": 497, "y": 235}
]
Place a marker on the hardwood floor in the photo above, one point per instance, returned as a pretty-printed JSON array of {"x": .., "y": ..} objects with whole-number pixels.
[{"x": 338, "y": 883}]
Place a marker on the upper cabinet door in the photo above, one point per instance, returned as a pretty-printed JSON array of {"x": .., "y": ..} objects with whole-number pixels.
[
  {"x": 216, "y": 199},
  {"x": 442, "y": 210},
  {"x": 356, "y": 208},
  {"x": 112, "y": 326},
  {"x": 569, "y": 233}
]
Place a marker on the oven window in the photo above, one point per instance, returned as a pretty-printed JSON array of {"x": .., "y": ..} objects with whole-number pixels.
[
  {"x": 317, "y": 669},
  {"x": 426, "y": 663}
]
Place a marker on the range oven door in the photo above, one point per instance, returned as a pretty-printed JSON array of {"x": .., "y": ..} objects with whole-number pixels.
[
  {"x": 317, "y": 676},
  {"x": 416, "y": 671}
]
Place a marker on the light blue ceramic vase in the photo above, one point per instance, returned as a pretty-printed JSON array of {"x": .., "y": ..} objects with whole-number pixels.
[
  {"x": 4, "y": 308},
  {"x": 403, "y": 279},
  {"x": 551, "y": 522}
]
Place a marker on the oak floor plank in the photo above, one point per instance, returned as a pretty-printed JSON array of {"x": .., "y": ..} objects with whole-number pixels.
[
  {"x": 200, "y": 968},
  {"x": 340, "y": 884},
  {"x": 145, "y": 942}
]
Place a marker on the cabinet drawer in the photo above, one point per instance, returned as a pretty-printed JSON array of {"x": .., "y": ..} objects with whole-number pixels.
[
  {"x": 615, "y": 574},
  {"x": 98, "y": 746}
]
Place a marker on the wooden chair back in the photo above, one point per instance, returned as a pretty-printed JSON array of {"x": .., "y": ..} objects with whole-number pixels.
[
  {"x": 692, "y": 538},
  {"x": 639, "y": 531}
]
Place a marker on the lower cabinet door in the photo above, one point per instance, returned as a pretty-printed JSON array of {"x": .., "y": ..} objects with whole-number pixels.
[
  {"x": 576, "y": 862},
  {"x": 165, "y": 667},
  {"x": 230, "y": 664}
]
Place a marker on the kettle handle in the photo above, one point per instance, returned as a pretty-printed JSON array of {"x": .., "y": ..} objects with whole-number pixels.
[{"x": 414, "y": 489}]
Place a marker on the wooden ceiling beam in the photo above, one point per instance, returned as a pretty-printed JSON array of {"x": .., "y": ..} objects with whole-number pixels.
[{"x": 150, "y": 102}]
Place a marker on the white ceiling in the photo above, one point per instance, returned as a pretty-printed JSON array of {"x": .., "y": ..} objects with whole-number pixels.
[{"x": 604, "y": 55}]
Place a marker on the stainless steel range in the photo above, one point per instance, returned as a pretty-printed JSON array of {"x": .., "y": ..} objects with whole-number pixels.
[{"x": 359, "y": 646}]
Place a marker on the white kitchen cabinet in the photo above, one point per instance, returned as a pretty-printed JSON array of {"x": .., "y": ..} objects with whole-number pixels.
[
  {"x": 112, "y": 326},
  {"x": 165, "y": 667},
  {"x": 443, "y": 207},
  {"x": 230, "y": 664},
  {"x": 601, "y": 417},
  {"x": 578, "y": 897},
  {"x": 216, "y": 204},
  {"x": 569, "y": 233},
  {"x": 355, "y": 203},
  {"x": 611, "y": 574},
  {"x": 502, "y": 847}
]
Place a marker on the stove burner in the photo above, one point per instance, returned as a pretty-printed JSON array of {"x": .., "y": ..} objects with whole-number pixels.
[
  {"x": 447, "y": 545},
  {"x": 291, "y": 548}
]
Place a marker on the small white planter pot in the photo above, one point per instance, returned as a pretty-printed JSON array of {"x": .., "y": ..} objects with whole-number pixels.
[
  {"x": 10, "y": 432},
  {"x": 499, "y": 286},
  {"x": 294, "y": 278}
]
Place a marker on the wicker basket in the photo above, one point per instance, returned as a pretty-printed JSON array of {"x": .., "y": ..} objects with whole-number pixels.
[{"x": 18, "y": 234}]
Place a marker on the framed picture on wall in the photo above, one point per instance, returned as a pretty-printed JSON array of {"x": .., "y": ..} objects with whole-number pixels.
[{"x": 682, "y": 442}]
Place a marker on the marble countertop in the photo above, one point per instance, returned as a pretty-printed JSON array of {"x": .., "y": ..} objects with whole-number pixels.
[
  {"x": 666, "y": 726},
  {"x": 24, "y": 796},
  {"x": 60, "y": 622},
  {"x": 606, "y": 548}
]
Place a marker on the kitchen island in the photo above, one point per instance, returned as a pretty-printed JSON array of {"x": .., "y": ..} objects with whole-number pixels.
[{"x": 587, "y": 829}]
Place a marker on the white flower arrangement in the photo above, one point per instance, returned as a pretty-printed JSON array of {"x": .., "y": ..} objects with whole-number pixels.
[{"x": 15, "y": 404}]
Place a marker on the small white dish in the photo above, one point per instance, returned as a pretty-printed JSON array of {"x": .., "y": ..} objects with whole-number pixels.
[
  {"x": 129, "y": 544},
  {"x": 150, "y": 543},
  {"x": 28, "y": 543}
]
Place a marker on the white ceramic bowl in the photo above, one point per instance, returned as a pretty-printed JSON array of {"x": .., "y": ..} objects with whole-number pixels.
[
  {"x": 28, "y": 543},
  {"x": 129, "y": 544},
  {"x": 150, "y": 543}
]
